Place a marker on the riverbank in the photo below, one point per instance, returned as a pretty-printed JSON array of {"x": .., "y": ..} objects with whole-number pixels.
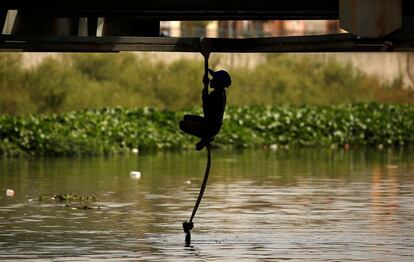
[
  {"x": 74, "y": 82},
  {"x": 117, "y": 130}
]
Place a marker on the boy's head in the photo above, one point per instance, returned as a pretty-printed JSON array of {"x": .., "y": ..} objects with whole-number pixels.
[{"x": 221, "y": 79}]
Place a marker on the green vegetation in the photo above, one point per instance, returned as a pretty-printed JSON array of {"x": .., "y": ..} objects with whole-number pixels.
[
  {"x": 117, "y": 130},
  {"x": 70, "y": 199},
  {"x": 100, "y": 104},
  {"x": 67, "y": 198},
  {"x": 82, "y": 81}
]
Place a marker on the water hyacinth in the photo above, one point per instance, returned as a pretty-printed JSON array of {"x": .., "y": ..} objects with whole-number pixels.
[{"x": 117, "y": 130}]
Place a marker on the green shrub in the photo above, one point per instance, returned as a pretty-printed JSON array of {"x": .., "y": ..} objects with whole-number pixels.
[
  {"x": 117, "y": 130},
  {"x": 84, "y": 81},
  {"x": 14, "y": 98}
]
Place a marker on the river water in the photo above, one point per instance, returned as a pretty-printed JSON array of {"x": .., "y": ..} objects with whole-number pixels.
[{"x": 260, "y": 205}]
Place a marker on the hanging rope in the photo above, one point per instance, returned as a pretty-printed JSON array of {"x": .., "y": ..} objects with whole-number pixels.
[{"x": 188, "y": 225}]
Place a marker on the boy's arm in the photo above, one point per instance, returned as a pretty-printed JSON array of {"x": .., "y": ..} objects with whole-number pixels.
[
  {"x": 204, "y": 94},
  {"x": 206, "y": 82}
]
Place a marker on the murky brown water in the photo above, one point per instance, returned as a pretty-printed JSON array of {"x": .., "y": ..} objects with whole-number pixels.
[{"x": 296, "y": 205}]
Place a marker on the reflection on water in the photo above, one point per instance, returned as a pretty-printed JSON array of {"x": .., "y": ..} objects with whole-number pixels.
[{"x": 317, "y": 205}]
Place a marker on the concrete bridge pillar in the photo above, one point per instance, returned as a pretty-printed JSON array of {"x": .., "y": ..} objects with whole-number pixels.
[{"x": 370, "y": 18}]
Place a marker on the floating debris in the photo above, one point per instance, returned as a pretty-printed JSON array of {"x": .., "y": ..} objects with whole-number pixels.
[
  {"x": 273, "y": 147},
  {"x": 135, "y": 150},
  {"x": 67, "y": 197},
  {"x": 10, "y": 192},
  {"x": 85, "y": 207},
  {"x": 135, "y": 174}
]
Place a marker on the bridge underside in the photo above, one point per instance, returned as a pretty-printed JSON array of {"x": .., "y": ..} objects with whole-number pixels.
[
  {"x": 33, "y": 31},
  {"x": 182, "y": 9},
  {"x": 300, "y": 44}
]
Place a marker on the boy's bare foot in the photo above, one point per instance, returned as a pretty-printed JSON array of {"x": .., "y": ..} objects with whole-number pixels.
[
  {"x": 203, "y": 142},
  {"x": 200, "y": 145}
]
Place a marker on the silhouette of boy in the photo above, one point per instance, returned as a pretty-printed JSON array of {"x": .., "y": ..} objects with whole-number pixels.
[{"x": 214, "y": 104}]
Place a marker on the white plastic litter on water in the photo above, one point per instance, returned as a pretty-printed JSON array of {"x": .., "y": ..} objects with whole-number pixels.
[
  {"x": 273, "y": 146},
  {"x": 135, "y": 174},
  {"x": 135, "y": 150},
  {"x": 10, "y": 192}
]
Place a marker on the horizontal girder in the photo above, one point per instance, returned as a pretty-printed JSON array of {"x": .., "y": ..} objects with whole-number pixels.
[{"x": 324, "y": 43}]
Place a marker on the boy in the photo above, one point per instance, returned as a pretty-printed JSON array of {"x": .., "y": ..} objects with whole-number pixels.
[{"x": 214, "y": 104}]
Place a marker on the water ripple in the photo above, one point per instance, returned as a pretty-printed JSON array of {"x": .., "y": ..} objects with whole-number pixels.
[{"x": 257, "y": 207}]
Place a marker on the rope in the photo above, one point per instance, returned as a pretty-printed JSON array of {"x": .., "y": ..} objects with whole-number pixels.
[
  {"x": 204, "y": 184},
  {"x": 188, "y": 225}
]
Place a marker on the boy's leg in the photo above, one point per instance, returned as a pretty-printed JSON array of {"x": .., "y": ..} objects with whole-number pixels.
[
  {"x": 194, "y": 118},
  {"x": 194, "y": 128}
]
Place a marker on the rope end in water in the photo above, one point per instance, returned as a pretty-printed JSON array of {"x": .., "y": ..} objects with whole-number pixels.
[{"x": 187, "y": 226}]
